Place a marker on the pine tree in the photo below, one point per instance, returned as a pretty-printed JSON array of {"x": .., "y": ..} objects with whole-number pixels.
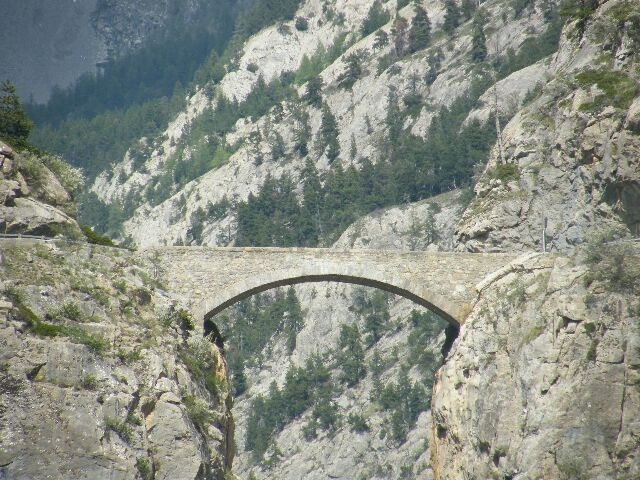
[
  {"x": 294, "y": 318},
  {"x": 353, "y": 150},
  {"x": 399, "y": 34},
  {"x": 311, "y": 204},
  {"x": 376, "y": 18},
  {"x": 381, "y": 40},
  {"x": 393, "y": 119},
  {"x": 353, "y": 70},
  {"x": 420, "y": 31},
  {"x": 329, "y": 134},
  {"x": 478, "y": 41},
  {"x": 15, "y": 127},
  {"x": 451, "y": 16},
  {"x": 313, "y": 95},
  {"x": 301, "y": 132},
  {"x": 467, "y": 8},
  {"x": 351, "y": 355}
]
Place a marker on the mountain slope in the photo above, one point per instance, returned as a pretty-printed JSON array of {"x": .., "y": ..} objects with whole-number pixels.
[{"x": 265, "y": 146}]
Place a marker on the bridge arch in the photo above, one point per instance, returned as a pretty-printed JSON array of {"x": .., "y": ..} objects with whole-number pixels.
[
  {"x": 219, "y": 301},
  {"x": 209, "y": 279}
]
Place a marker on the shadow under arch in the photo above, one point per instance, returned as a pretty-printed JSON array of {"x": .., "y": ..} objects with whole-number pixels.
[{"x": 430, "y": 300}]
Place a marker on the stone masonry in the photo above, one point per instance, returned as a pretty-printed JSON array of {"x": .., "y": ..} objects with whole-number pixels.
[{"x": 209, "y": 279}]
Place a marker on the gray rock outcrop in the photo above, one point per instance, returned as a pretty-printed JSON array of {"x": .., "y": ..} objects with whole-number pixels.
[
  {"x": 542, "y": 382},
  {"x": 98, "y": 379},
  {"x": 570, "y": 156},
  {"x": 32, "y": 199}
]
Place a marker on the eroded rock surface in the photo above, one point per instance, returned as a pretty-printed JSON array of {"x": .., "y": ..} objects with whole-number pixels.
[
  {"x": 543, "y": 380},
  {"x": 97, "y": 379}
]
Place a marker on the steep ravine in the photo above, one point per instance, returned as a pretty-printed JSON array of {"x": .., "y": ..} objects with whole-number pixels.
[{"x": 344, "y": 451}]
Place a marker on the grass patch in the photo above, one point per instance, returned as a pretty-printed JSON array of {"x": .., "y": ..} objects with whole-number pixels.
[
  {"x": 505, "y": 172},
  {"x": 198, "y": 411},
  {"x": 120, "y": 427},
  {"x": 69, "y": 309},
  {"x": 96, "y": 343},
  {"x": 90, "y": 382},
  {"x": 618, "y": 89},
  {"x": 144, "y": 468},
  {"x": 128, "y": 357},
  {"x": 531, "y": 334},
  {"x": 41, "y": 328}
]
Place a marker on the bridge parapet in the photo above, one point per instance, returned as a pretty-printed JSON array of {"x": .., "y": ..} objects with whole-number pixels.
[{"x": 208, "y": 279}]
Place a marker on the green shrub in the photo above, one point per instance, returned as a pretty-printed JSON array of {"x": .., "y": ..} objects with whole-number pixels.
[
  {"x": 357, "y": 423},
  {"x": 301, "y": 24},
  {"x": 591, "y": 352},
  {"x": 618, "y": 88},
  {"x": 185, "y": 320},
  {"x": 95, "y": 238},
  {"x": 119, "y": 284},
  {"x": 120, "y": 427},
  {"x": 143, "y": 296},
  {"x": 614, "y": 263},
  {"x": 310, "y": 430},
  {"x": 90, "y": 382},
  {"x": 198, "y": 411},
  {"x": 144, "y": 468},
  {"x": 33, "y": 170},
  {"x": 69, "y": 309},
  {"x": 197, "y": 356},
  {"x": 129, "y": 356},
  {"x": 505, "y": 172}
]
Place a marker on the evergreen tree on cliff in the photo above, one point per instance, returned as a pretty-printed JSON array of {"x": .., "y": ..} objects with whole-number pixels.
[
  {"x": 15, "y": 127},
  {"x": 478, "y": 41},
  {"x": 420, "y": 31}
]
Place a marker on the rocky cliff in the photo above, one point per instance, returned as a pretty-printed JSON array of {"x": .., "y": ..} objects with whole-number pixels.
[
  {"x": 569, "y": 158},
  {"x": 100, "y": 378},
  {"x": 101, "y": 373},
  {"x": 34, "y": 199},
  {"x": 543, "y": 380}
]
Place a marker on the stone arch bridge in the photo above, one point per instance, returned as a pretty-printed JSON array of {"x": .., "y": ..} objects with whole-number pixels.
[{"x": 209, "y": 279}]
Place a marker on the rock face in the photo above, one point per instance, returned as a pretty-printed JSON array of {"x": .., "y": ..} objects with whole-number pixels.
[
  {"x": 543, "y": 380},
  {"x": 98, "y": 379},
  {"x": 570, "y": 155},
  {"x": 427, "y": 225},
  {"x": 32, "y": 199},
  {"x": 360, "y": 113}
]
